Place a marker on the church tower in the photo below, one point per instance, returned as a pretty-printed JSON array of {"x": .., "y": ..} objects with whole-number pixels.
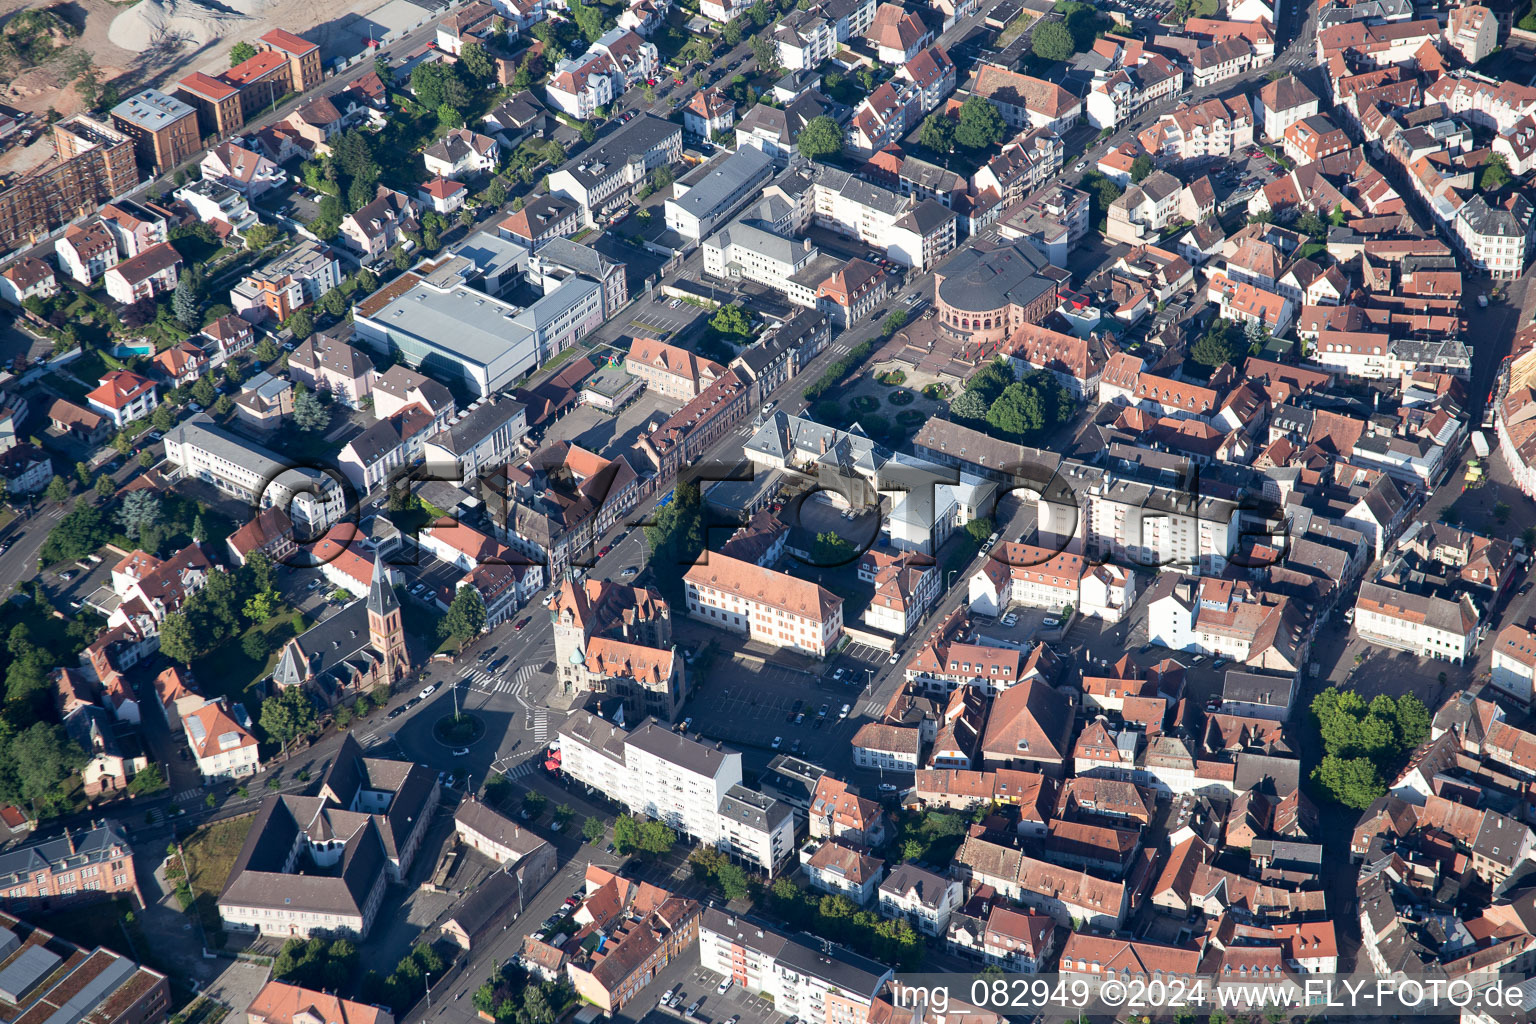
[{"x": 386, "y": 631}]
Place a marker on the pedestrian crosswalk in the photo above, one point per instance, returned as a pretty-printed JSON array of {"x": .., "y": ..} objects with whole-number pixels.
[
  {"x": 874, "y": 707},
  {"x": 518, "y": 771},
  {"x": 483, "y": 682},
  {"x": 188, "y": 794},
  {"x": 540, "y": 725}
]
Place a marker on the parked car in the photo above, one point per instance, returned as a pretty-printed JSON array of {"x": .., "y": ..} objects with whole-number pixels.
[
  {"x": 777, "y": 742},
  {"x": 427, "y": 691},
  {"x": 843, "y": 713},
  {"x": 1010, "y": 619},
  {"x": 724, "y": 986},
  {"x": 693, "y": 1008}
]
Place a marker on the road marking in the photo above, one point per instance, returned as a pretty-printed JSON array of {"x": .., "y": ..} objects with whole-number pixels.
[{"x": 187, "y": 794}]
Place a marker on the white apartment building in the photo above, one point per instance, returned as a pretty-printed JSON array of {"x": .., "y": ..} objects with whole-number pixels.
[
  {"x": 744, "y": 250},
  {"x": 1495, "y": 239},
  {"x": 1484, "y": 101},
  {"x": 1514, "y": 663},
  {"x": 822, "y": 985},
  {"x": 1029, "y": 577},
  {"x": 770, "y": 607},
  {"x": 1147, "y": 524},
  {"x": 613, "y": 168},
  {"x": 665, "y": 775},
  {"x": 86, "y": 251},
  {"x": 1431, "y": 627},
  {"x": 1209, "y": 128},
  {"x": 756, "y": 829},
  {"x": 912, "y": 232},
  {"x": 1282, "y": 103},
  {"x": 199, "y": 449},
  {"x": 703, "y": 200},
  {"x": 693, "y": 786},
  {"x": 921, "y": 898}
]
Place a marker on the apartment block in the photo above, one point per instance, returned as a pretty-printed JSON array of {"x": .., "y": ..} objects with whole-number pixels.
[
  {"x": 163, "y": 129},
  {"x": 693, "y": 786},
  {"x": 806, "y": 976},
  {"x": 288, "y": 283}
]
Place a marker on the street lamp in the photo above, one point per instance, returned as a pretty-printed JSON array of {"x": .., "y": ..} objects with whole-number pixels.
[
  {"x": 429, "y": 989},
  {"x": 949, "y": 580}
]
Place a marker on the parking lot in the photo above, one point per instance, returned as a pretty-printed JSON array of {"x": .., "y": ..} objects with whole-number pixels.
[
  {"x": 662, "y": 318},
  {"x": 749, "y": 702},
  {"x": 703, "y": 984}
]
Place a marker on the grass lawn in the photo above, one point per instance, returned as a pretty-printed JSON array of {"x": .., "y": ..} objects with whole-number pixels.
[
  {"x": 229, "y": 673},
  {"x": 210, "y": 854}
]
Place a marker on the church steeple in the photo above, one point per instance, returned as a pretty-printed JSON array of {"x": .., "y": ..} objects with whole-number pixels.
[
  {"x": 386, "y": 630},
  {"x": 381, "y": 596}
]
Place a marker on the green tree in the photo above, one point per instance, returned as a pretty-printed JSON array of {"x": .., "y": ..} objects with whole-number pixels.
[
  {"x": 1217, "y": 345},
  {"x": 105, "y": 486},
  {"x": 495, "y": 193},
  {"x": 588, "y": 131},
  {"x": 163, "y": 418},
  {"x": 938, "y": 133},
  {"x": 626, "y": 833},
  {"x": 1052, "y": 40},
  {"x": 831, "y": 550},
  {"x": 260, "y": 235},
  {"x": 267, "y": 351},
  {"x": 968, "y": 407},
  {"x": 1141, "y": 167},
  {"x": 184, "y": 304},
  {"x": 334, "y": 303},
  {"x": 1495, "y": 174},
  {"x": 140, "y": 510},
  {"x": 256, "y": 645},
  {"x": 733, "y": 881},
  {"x": 466, "y": 616},
  {"x": 820, "y": 138},
  {"x": 448, "y": 117},
  {"x": 1017, "y": 412},
  {"x": 241, "y": 52},
  {"x": 893, "y": 322},
  {"x": 300, "y": 324},
  {"x": 287, "y": 715},
  {"x": 1353, "y": 782},
  {"x": 732, "y": 32},
  {"x": 731, "y": 320},
  {"x": 765, "y": 53},
  {"x": 262, "y": 605},
  {"x": 656, "y": 838},
  {"x": 979, "y": 530},
  {"x": 980, "y": 124},
  {"x": 309, "y": 413},
  {"x": 44, "y": 757},
  {"x": 203, "y": 392},
  {"x": 593, "y": 829},
  {"x": 477, "y": 63},
  {"x": 83, "y": 472},
  {"x": 383, "y": 70},
  {"x": 588, "y": 18},
  {"x": 58, "y": 489}
]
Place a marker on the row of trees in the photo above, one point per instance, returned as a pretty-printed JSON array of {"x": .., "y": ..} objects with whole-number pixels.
[{"x": 838, "y": 918}]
